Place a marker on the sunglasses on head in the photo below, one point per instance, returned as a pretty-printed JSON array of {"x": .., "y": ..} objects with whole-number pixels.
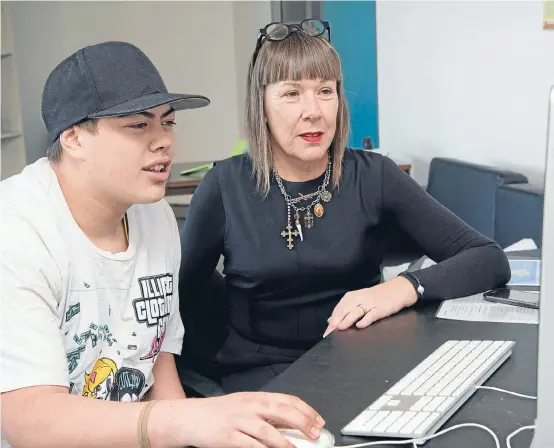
[{"x": 276, "y": 31}]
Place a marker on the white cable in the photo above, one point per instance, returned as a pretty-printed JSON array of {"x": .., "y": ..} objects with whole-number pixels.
[
  {"x": 515, "y": 433},
  {"x": 414, "y": 441},
  {"x": 507, "y": 392}
]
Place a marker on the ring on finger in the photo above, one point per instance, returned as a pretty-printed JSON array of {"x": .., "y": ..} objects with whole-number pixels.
[{"x": 362, "y": 308}]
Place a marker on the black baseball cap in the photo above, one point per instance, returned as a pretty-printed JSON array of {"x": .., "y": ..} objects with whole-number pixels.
[{"x": 104, "y": 80}]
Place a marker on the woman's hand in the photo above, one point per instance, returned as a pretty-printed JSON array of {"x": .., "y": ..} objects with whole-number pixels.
[{"x": 367, "y": 305}]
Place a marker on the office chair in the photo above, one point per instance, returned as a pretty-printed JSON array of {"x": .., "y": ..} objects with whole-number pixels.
[{"x": 205, "y": 324}]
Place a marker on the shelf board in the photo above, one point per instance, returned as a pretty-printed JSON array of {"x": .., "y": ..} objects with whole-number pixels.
[{"x": 9, "y": 135}]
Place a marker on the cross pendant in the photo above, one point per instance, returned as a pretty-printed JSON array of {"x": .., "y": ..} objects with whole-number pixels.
[
  {"x": 308, "y": 220},
  {"x": 288, "y": 234}
]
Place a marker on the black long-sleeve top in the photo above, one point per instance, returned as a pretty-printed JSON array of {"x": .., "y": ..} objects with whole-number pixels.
[{"x": 280, "y": 299}]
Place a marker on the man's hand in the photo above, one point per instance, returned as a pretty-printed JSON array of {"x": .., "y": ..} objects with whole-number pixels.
[
  {"x": 365, "y": 306},
  {"x": 243, "y": 420},
  {"x": 246, "y": 420}
]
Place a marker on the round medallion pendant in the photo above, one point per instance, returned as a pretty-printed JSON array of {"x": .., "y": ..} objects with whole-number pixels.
[
  {"x": 326, "y": 196},
  {"x": 318, "y": 210}
]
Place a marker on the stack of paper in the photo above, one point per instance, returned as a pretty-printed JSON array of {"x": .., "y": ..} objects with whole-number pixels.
[
  {"x": 525, "y": 272},
  {"x": 475, "y": 308}
]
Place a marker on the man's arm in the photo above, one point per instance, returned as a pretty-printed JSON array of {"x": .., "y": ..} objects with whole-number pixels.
[
  {"x": 45, "y": 416},
  {"x": 166, "y": 379}
]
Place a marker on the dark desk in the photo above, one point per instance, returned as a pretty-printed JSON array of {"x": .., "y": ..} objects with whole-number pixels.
[{"x": 348, "y": 370}]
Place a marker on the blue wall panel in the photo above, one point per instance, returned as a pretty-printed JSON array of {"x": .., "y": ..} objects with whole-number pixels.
[{"x": 353, "y": 34}]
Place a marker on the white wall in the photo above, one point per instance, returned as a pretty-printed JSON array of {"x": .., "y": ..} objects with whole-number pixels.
[
  {"x": 249, "y": 17},
  {"x": 191, "y": 43},
  {"x": 468, "y": 80}
]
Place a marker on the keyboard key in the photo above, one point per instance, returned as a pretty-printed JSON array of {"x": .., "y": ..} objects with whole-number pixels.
[
  {"x": 362, "y": 419},
  {"x": 380, "y": 402},
  {"x": 434, "y": 404},
  {"x": 376, "y": 419},
  {"x": 420, "y": 404},
  {"x": 392, "y": 417},
  {"x": 401, "y": 422},
  {"x": 424, "y": 427},
  {"x": 415, "y": 422},
  {"x": 446, "y": 404}
]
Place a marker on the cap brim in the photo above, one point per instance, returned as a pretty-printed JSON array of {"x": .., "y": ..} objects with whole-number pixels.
[{"x": 176, "y": 100}]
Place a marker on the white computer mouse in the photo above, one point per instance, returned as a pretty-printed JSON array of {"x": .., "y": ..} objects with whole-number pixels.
[{"x": 299, "y": 440}]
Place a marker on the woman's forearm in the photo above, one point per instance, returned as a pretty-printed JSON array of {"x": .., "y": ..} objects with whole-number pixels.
[{"x": 470, "y": 272}]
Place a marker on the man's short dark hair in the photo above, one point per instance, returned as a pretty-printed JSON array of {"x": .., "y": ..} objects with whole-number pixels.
[{"x": 55, "y": 150}]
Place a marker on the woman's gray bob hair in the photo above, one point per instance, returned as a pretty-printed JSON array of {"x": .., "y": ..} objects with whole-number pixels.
[{"x": 297, "y": 57}]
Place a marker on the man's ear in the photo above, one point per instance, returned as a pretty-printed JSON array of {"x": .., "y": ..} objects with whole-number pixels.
[{"x": 69, "y": 140}]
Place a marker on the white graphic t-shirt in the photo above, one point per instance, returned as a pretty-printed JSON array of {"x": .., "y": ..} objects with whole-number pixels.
[{"x": 74, "y": 315}]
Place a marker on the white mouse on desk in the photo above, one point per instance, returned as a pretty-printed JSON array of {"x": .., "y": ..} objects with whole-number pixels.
[{"x": 299, "y": 440}]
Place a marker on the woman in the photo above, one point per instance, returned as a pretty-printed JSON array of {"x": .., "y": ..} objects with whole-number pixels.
[{"x": 304, "y": 224}]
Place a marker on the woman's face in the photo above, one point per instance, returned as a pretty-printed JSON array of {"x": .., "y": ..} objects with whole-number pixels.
[{"x": 302, "y": 117}]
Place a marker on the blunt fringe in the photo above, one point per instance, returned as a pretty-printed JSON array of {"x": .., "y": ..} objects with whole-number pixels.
[{"x": 297, "y": 57}]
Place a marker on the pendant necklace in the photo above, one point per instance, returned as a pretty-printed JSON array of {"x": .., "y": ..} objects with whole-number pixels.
[{"x": 322, "y": 194}]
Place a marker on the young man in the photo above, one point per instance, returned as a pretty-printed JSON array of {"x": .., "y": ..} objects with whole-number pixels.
[{"x": 89, "y": 261}]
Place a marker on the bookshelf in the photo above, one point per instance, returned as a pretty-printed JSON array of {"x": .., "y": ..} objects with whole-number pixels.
[{"x": 12, "y": 156}]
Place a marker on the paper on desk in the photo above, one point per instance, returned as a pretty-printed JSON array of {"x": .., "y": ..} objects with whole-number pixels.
[
  {"x": 475, "y": 308},
  {"x": 524, "y": 244}
]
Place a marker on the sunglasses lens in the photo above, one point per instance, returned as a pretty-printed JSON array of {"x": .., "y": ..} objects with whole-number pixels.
[
  {"x": 313, "y": 27},
  {"x": 277, "y": 31}
]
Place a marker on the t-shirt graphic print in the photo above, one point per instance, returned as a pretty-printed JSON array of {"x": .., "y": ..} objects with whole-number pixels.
[{"x": 81, "y": 317}]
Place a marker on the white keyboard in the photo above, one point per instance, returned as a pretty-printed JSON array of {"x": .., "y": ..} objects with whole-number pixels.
[{"x": 420, "y": 403}]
